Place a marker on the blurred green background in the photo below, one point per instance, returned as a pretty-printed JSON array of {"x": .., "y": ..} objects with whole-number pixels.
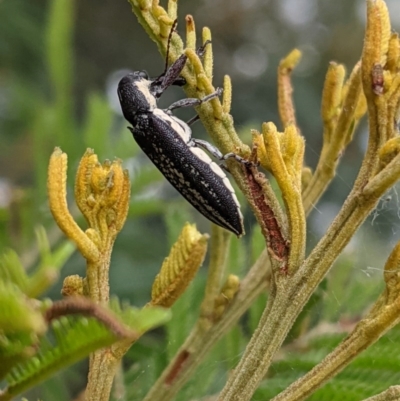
[{"x": 60, "y": 61}]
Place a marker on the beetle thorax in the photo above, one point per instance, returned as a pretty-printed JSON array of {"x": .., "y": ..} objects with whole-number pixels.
[{"x": 135, "y": 96}]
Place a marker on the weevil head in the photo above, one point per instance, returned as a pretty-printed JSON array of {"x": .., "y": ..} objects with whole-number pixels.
[{"x": 135, "y": 95}]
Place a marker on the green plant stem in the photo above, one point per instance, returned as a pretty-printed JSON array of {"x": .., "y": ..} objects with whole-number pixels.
[
  {"x": 366, "y": 333},
  {"x": 291, "y": 296},
  {"x": 102, "y": 363},
  {"x": 119, "y": 391},
  {"x": 391, "y": 394},
  {"x": 220, "y": 240},
  {"x": 384, "y": 179},
  {"x": 274, "y": 325},
  {"x": 297, "y": 219},
  {"x": 200, "y": 342},
  {"x": 103, "y": 367}
]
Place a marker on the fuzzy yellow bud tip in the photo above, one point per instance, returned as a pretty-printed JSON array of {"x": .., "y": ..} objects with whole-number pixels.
[
  {"x": 332, "y": 93},
  {"x": 180, "y": 267},
  {"x": 100, "y": 185},
  {"x": 99, "y": 178},
  {"x": 72, "y": 285},
  {"x": 231, "y": 286},
  {"x": 189, "y": 23},
  {"x": 291, "y": 142},
  {"x": 228, "y": 292},
  {"x": 291, "y": 60},
  {"x": 258, "y": 144},
  {"x": 144, "y": 4},
  {"x": 376, "y": 46},
  {"x": 57, "y": 193}
]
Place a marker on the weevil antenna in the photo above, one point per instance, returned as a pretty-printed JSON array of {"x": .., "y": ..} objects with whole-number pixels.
[{"x": 174, "y": 24}]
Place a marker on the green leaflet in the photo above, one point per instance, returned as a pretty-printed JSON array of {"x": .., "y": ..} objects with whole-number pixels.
[
  {"x": 372, "y": 372},
  {"x": 74, "y": 338}
]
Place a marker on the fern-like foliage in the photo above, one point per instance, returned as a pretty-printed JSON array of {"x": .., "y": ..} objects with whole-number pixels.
[
  {"x": 44, "y": 275},
  {"x": 140, "y": 320},
  {"x": 12, "y": 271},
  {"x": 73, "y": 339},
  {"x": 14, "y": 349},
  {"x": 372, "y": 372},
  {"x": 17, "y": 313}
]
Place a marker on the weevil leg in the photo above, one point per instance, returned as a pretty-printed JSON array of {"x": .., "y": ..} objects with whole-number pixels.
[
  {"x": 193, "y": 120},
  {"x": 212, "y": 150},
  {"x": 192, "y": 102},
  {"x": 217, "y": 93},
  {"x": 188, "y": 102},
  {"x": 209, "y": 148},
  {"x": 202, "y": 49},
  {"x": 238, "y": 158},
  {"x": 217, "y": 154},
  {"x": 224, "y": 167}
]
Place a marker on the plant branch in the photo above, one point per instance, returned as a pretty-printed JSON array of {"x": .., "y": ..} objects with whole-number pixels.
[
  {"x": 381, "y": 318},
  {"x": 391, "y": 394},
  {"x": 201, "y": 341}
]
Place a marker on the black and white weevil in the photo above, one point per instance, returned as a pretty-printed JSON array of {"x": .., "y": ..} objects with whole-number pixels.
[{"x": 168, "y": 142}]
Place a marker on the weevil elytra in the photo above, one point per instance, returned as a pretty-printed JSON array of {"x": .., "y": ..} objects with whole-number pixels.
[{"x": 168, "y": 142}]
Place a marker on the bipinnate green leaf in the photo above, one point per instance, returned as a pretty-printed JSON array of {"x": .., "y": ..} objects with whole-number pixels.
[
  {"x": 12, "y": 271},
  {"x": 17, "y": 313},
  {"x": 14, "y": 349},
  {"x": 46, "y": 273},
  {"x": 140, "y": 320},
  {"x": 51, "y": 262},
  {"x": 74, "y": 339},
  {"x": 372, "y": 372}
]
